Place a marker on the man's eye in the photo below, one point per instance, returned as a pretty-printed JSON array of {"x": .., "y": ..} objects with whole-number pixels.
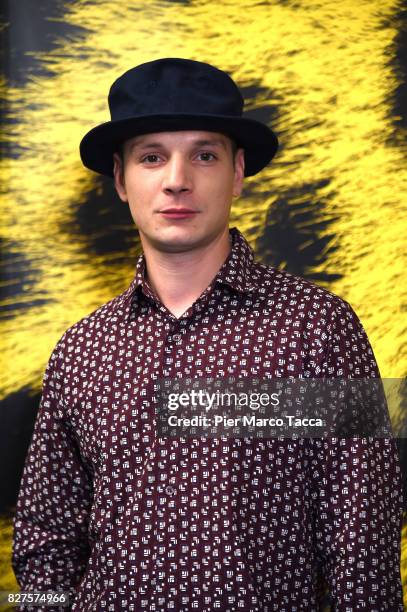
[
  {"x": 151, "y": 159},
  {"x": 206, "y": 156}
]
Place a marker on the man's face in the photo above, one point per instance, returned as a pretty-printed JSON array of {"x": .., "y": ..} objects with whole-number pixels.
[{"x": 179, "y": 186}]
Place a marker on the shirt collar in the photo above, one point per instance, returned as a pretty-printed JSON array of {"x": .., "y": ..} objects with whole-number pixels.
[{"x": 236, "y": 270}]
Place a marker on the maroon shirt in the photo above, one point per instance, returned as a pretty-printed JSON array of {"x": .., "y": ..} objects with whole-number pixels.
[{"x": 126, "y": 520}]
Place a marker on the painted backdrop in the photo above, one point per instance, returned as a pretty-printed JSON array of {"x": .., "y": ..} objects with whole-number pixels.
[{"x": 329, "y": 77}]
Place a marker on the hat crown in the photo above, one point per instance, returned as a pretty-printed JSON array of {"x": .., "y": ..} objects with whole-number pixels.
[{"x": 174, "y": 86}]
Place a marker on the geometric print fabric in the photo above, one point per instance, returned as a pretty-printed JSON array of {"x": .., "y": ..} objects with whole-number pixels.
[{"x": 126, "y": 520}]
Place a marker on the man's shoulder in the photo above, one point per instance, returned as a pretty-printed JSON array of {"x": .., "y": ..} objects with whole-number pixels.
[
  {"x": 284, "y": 288},
  {"x": 93, "y": 327}
]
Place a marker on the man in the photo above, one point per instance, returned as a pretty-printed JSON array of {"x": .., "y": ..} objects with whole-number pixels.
[{"x": 125, "y": 519}]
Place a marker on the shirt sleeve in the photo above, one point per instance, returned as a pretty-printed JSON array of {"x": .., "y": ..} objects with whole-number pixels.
[
  {"x": 50, "y": 543},
  {"x": 357, "y": 493}
]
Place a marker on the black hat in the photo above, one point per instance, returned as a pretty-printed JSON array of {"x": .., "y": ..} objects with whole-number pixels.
[{"x": 176, "y": 94}]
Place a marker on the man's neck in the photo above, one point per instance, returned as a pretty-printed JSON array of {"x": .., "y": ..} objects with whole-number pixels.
[{"x": 178, "y": 279}]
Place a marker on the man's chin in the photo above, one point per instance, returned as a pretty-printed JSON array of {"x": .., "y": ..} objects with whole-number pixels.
[
  {"x": 183, "y": 239},
  {"x": 178, "y": 245},
  {"x": 178, "y": 241}
]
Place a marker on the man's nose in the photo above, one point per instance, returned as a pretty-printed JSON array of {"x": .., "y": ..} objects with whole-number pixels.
[{"x": 177, "y": 178}]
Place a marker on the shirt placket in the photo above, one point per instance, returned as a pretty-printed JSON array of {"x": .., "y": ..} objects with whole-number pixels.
[{"x": 166, "y": 469}]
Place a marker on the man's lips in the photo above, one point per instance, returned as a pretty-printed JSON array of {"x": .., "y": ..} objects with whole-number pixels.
[{"x": 178, "y": 213}]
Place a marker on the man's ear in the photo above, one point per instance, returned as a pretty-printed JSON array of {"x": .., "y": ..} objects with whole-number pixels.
[
  {"x": 118, "y": 173},
  {"x": 239, "y": 172}
]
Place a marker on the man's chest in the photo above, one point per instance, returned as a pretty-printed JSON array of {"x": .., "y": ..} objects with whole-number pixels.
[{"x": 111, "y": 390}]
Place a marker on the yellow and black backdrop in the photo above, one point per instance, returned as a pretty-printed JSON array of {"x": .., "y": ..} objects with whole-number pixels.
[{"x": 329, "y": 76}]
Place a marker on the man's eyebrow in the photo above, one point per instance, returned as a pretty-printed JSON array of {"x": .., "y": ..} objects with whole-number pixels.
[
  {"x": 147, "y": 145},
  {"x": 210, "y": 142}
]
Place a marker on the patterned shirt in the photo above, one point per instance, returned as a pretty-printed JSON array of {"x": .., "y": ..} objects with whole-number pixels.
[{"x": 126, "y": 520}]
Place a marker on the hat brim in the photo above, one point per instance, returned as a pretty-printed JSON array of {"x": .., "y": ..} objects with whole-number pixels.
[{"x": 257, "y": 139}]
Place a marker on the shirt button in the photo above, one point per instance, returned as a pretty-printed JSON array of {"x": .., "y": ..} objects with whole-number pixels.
[
  {"x": 176, "y": 337},
  {"x": 169, "y": 490}
]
